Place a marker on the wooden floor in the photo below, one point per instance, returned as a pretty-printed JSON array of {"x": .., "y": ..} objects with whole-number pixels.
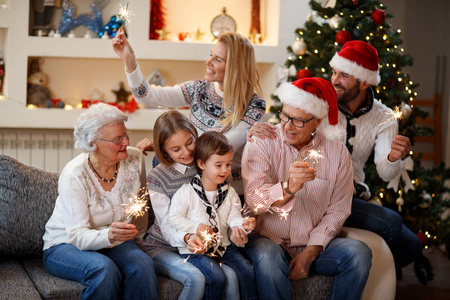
[{"x": 409, "y": 288}]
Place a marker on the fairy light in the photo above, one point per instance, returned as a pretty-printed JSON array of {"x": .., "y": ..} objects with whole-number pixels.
[
  {"x": 319, "y": 32},
  {"x": 367, "y": 38},
  {"x": 399, "y": 31},
  {"x": 399, "y": 80},
  {"x": 384, "y": 37},
  {"x": 323, "y": 70},
  {"x": 316, "y": 51}
]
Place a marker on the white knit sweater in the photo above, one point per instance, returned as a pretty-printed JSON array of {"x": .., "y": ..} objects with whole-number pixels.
[{"x": 372, "y": 131}]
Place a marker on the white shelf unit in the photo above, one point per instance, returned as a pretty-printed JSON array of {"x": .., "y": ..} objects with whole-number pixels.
[{"x": 18, "y": 47}]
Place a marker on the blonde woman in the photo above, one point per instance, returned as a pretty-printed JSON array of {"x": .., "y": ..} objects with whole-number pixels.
[{"x": 226, "y": 100}]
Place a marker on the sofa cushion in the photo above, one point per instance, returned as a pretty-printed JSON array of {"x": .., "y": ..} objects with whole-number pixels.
[
  {"x": 14, "y": 281},
  {"x": 313, "y": 287},
  {"x": 27, "y": 199}
]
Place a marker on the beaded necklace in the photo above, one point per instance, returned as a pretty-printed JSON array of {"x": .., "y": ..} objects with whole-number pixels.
[{"x": 103, "y": 179}]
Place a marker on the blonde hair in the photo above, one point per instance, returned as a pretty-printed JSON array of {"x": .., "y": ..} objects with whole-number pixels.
[
  {"x": 167, "y": 125},
  {"x": 241, "y": 78}
]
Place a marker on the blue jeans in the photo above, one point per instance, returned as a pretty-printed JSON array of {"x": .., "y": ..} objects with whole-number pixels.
[
  {"x": 172, "y": 265},
  {"x": 211, "y": 269},
  {"x": 404, "y": 244},
  {"x": 348, "y": 260},
  {"x": 106, "y": 271}
]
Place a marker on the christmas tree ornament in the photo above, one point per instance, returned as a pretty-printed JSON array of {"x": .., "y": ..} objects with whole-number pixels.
[
  {"x": 378, "y": 16},
  {"x": 423, "y": 238},
  {"x": 283, "y": 74},
  {"x": 406, "y": 110},
  {"x": 94, "y": 22},
  {"x": 299, "y": 47},
  {"x": 406, "y": 165},
  {"x": 273, "y": 120},
  {"x": 400, "y": 202},
  {"x": 342, "y": 37},
  {"x": 303, "y": 73},
  {"x": 426, "y": 200},
  {"x": 335, "y": 22}
]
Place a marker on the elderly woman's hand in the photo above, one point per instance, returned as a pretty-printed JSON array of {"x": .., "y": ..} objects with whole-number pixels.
[
  {"x": 121, "y": 232},
  {"x": 145, "y": 145}
]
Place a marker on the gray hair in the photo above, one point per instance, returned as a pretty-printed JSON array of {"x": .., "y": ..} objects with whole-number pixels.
[{"x": 90, "y": 122}]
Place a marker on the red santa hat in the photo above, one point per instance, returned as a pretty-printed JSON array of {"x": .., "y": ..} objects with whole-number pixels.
[
  {"x": 358, "y": 59},
  {"x": 315, "y": 96}
]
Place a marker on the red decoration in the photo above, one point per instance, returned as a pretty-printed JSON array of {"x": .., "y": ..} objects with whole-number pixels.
[
  {"x": 342, "y": 37},
  {"x": 423, "y": 238},
  {"x": 182, "y": 36},
  {"x": 378, "y": 16},
  {"x": 85, "y": 103},
  {"x": 55, "y": 102},
  {"x": 156, "y": 18},
  {"x": 355, "y": 2},
  {"x": 131, "y": 106},
  {"x": 304, "y": 73},
  {"x": 255, "y": 27}
]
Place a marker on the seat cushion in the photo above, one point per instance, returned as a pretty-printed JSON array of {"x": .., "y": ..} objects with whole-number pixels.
[
  {"x": 313, "y": 287},
  {"x": 27, "y": 199},
  {"x": 14, "y": 281}
]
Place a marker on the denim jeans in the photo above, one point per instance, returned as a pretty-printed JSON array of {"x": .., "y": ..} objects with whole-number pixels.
[
  {"x": 213, "y": 272},
  {"x": 348, "y": 260},
  {"x": 172, "y": 265},
  {"x": 106, "y": 271},
  {"x": 404, "y": 244}
]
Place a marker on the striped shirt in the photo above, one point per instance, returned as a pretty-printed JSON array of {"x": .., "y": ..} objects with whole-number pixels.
[{"x": 317, "y": 212}]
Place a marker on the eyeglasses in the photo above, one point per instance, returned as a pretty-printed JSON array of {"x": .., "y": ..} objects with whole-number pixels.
[
  {"x": 119, "y": 140},
  {"x": 296, "y": 122}
]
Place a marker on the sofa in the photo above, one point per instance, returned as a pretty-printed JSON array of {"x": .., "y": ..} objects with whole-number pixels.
[{"x": 27, "y": 199}]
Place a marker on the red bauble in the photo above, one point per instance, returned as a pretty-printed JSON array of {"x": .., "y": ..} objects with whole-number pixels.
[
  {"x": 378, "y": 16},
  {"x": 342, "y": 37},
  {"x": 423, "y": 238},
  {"x": 304, "y": 73}
]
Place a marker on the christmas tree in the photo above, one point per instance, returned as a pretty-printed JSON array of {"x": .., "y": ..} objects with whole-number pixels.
[{"x": 422, "y": 196}]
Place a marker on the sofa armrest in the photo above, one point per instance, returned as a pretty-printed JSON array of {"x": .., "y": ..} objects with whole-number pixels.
[{"x": 382, "y": 281}]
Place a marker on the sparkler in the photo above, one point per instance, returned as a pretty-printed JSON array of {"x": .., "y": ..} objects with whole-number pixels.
[
  {"x": 125, "y": 14},
  {"x": 395, "y": 114},
  {"x": 284, "y": 214},
  {"x": 313, "y": 156},
  {"x": 138, "y": 204}
]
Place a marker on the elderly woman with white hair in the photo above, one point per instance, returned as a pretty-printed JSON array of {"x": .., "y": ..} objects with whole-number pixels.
[{"x": 90, "y": 238}]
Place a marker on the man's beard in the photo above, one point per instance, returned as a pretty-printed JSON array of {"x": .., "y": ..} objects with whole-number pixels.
[{"x": 349, "y": 94}]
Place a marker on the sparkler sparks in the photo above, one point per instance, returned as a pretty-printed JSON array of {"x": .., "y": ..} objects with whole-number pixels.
[
  {"x": 138, "y": 204},
  {"x": 284, "y": 214},
  {"x": 395, "y": 114},
  {"x": 125, "y": 14},
  {"x": 314, "y": 156}
]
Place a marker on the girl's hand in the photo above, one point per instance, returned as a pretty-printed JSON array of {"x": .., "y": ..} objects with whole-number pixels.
[
  {"x": 239, "y": 237},
  {"x": 121, "y": 232},
  {"x": 249, "y": 223}
]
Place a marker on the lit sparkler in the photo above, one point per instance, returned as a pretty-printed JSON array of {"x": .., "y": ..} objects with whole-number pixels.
[
  {"x": 313, "y": 156},
  {"x": 284, "y": 214},
  {"x": 395, "y": 114},
  {"x": 138, "y": 204},
  {"x": 125, "y": 14}
]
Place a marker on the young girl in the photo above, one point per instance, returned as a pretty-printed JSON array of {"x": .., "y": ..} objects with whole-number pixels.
[
  {"x": 208, "y": 206},
  {"x": 174, "y": 138}
]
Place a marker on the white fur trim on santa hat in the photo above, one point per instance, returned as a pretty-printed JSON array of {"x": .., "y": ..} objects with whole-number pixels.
[
  {"x": 298, "y": 98},
  {"x": 332, "y": 132},
  {"x": 347, "y": 66}
]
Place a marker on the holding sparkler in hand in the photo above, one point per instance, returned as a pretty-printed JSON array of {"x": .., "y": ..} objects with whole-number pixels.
[{"x": 208, "y": 206}]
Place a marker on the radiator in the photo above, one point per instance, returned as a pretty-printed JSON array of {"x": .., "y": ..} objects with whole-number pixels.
[{"x": 48, "y": 150}]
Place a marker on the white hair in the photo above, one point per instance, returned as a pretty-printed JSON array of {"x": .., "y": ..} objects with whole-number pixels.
[{"x": 90, "y": 122}]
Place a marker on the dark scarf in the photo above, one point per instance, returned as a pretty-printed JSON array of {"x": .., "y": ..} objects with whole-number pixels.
[{"x": 222, "y": 191}]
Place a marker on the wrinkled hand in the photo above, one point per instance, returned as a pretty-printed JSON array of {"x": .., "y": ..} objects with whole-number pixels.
[
  {"x": 261, "y": 130},
  {"x": 196, "y": 245},
  {"x": 299, "y": 265},
  {"x": 121, "y": 232},
  {"x": 299, "y": 173},
  {"x": 145, "y": 145},
  {"x": 400, "y": 147},
  {"x": 249, "y": 223},
  {"x": 124, "y": 50},
  {"x": 239, "y": 237}
]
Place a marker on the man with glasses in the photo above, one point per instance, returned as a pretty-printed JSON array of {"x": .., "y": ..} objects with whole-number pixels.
[{"x": 300, "y": 209}]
